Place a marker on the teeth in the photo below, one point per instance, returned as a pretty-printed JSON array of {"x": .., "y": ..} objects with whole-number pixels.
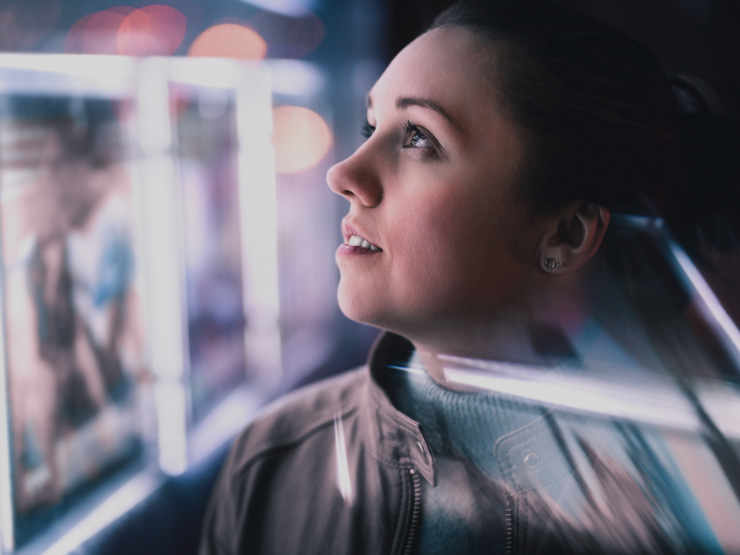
[{"x": 357, "y": 241}]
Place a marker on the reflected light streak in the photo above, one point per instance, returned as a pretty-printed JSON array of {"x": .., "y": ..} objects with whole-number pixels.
[
  {"x": 722, "y": 403},
  {"x": 409, "y": 369},
  {"x": 229, "y": 40},
  {"x": 343, "y": 479},
  {"x": 302, "y": 138},
  {"x": 726, "y": 326},
  {"x": 656, "y": 402}
]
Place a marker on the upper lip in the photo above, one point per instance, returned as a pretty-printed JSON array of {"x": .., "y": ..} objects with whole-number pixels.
[{"x": 350, "y": 229}]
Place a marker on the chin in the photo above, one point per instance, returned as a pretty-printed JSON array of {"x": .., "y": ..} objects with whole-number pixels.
[
  {"x": 364, "y": 309},
  {"x": 354, "y": 307}
]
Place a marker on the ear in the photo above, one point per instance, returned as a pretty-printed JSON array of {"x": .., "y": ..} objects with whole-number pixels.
[{"x": 573, "y": 237}]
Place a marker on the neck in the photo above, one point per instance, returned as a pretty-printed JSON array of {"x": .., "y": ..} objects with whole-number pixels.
[{"x": 533, "y": 333}]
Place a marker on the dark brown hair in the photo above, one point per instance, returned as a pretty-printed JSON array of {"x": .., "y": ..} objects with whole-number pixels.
[{"x": 597, "y": 111}]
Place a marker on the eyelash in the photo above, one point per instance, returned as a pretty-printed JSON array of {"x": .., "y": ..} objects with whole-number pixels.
[
  {"x": 410, "y": 128},
  {"x": 367, "y": 130},
  {"x": 412, "y": 131}
]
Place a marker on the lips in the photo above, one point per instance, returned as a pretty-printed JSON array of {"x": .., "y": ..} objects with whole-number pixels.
[{"x": 356, "y": 238}]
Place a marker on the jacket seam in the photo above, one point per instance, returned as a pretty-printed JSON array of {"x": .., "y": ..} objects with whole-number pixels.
[{"x": 288, "y": 441}]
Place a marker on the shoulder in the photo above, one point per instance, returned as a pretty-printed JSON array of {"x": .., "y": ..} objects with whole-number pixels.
[{"x": 297, "y": 416}]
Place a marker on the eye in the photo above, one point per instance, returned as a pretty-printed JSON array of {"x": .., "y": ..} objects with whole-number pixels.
[
  {"x": 367, "y": 130},
  {"x": 415, "y": 137}
]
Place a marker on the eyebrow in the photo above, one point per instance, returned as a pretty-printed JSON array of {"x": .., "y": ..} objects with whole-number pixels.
[{"x": 403, "y": 102}]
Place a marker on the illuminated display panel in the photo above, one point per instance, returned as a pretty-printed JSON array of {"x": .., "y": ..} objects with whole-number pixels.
[
  {"x": 207, "y": 183},
  {"x": 206, "y": 155},
  {"x": 74, "y": 343}
]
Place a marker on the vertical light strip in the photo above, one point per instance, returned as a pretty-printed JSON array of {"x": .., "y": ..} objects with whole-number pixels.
[
  {"x": 723, "y": 323},
  {"x": 258, "y": 207},
  {"x": 6, "y": 479},
  {"x": 163, "y": 263},
  {"x": 172, "y": 405}
]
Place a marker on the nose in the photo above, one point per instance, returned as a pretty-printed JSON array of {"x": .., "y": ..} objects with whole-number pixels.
[{"x": 356, "y": 179}]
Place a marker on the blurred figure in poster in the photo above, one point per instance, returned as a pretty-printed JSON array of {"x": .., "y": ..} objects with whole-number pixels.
[{"x": 71, "y": 301}]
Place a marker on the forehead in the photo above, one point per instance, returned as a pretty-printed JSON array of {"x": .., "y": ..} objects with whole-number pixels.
[{"x": 447, "y": 65}]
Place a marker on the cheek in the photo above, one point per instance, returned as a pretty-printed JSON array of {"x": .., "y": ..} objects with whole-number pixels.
[
  {"x": 439, "y": 245},
  {"x": 459, "y": 249}
]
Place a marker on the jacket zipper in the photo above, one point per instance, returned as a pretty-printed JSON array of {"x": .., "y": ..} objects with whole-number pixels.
[
  {"x": 509, "y": 527},
  {"x": 415, "y": 511}
]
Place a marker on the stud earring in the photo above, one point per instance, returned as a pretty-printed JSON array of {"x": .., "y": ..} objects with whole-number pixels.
[{"x": 551, "y": 264}]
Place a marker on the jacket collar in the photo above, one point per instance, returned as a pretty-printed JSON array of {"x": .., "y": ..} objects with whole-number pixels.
[
  {"x": 396, "y": 438},
  {"x": 531, "y": 457}
]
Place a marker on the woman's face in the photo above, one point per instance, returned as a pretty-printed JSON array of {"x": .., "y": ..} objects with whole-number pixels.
[{"x": 432, "y": 192}]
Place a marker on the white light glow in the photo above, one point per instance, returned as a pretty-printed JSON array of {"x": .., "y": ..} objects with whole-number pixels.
[
  {"x": 297, "y": 78},
  {"x": 724, "y": 324},
  {"x": 343, "y": 478},
  {"x": 154, "y": 107},
  {"x": 292, "y": 8},
  {"x": 721, "y": 401},
  {"x": 652, "y": 401},
  {"x": 163, "y": 266},
  {"x": 172, "y": 407},
  {"x": 258, "y": 215},
  {"x": 208, "y": 72},
  {"x": 46, "y": 74},
  {"x": 115, "y": 506}
]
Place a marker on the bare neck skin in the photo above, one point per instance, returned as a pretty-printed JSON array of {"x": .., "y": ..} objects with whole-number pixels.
[{"x": 509, "y": 334}]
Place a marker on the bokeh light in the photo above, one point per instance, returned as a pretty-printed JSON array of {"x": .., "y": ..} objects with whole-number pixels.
[
  {"x": 155, "y": 30},
  {"x": 229, "y": 40},
  {"x": 96, "y": 33},
  {"x": 301, "y": 138},
  {"x": 73, "y": 42}
]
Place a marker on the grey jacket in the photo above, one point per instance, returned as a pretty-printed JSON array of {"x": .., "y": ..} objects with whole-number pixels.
[{"x": 335, "y": 469}]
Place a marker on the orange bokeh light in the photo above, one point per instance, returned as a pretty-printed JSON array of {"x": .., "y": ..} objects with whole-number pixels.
[
  {"x": 96, "y": 33},
  {"x": 229, "y": 40},
  {"x": 301, "y": 138},
  {"x": 155, "y": 30},
  {"x": 99, "y": 32}
]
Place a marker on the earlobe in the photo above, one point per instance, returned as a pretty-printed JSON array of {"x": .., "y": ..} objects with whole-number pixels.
[{"x": 574, "y": 237}]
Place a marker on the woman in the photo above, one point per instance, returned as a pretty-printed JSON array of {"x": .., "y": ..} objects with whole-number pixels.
[{"x": 498, "y": 145}]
